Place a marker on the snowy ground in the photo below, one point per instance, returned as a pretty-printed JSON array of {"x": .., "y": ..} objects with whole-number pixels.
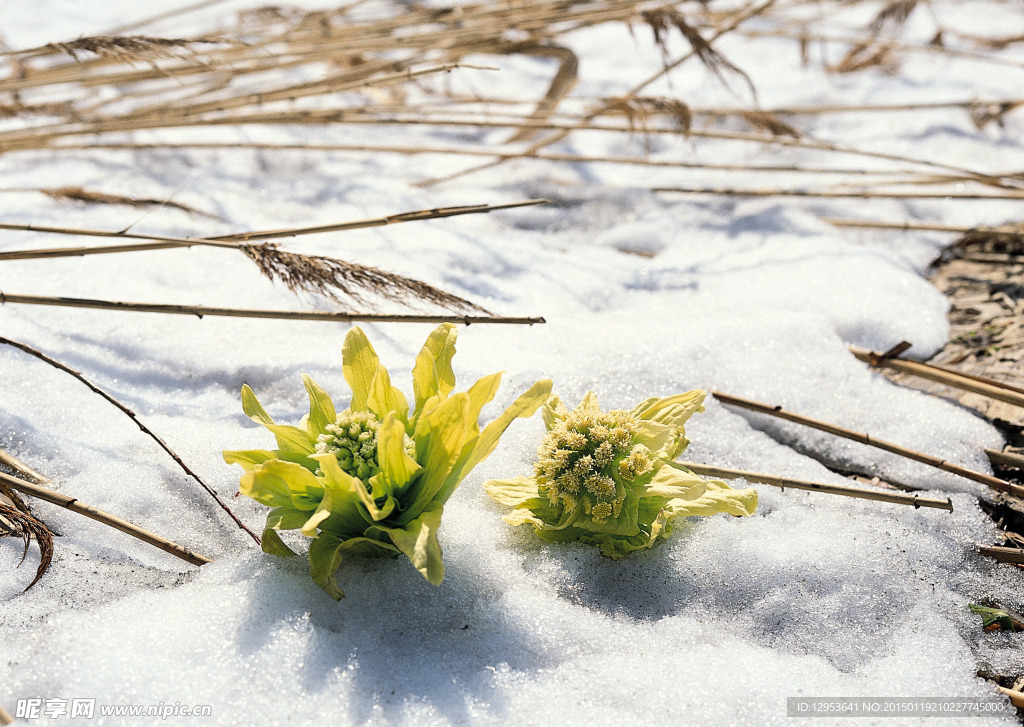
[{"x": 813, "y": 596}]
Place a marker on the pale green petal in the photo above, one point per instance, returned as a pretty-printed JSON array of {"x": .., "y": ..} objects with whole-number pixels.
[
  {"x": 523, "y": 516},
  {"x": 552, "y": 411},
  {"x": 589, "y": 403},
  {"x": 418, "y": 540},
  {"x": 396, "y": 466},
  {"x": 674, "y": 410},
  {"x": 659, "y": 438},
  {"x": 248, "y": 458},
  {"x": 384, "y": 397},
  {"x": 271, "y": 543},
  {"x": 321, "y": 408},
  {"x": 513, "y": 492},
  {"x": 359, "y": 364},
  {"x": 671, "y": 483},
  {"x": 432, "y": 374},
  {"x": 718, "y": 498},
  {"x": 291, "y": 439}
]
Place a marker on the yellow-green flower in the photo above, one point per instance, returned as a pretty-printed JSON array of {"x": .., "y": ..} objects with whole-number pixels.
[
  {"x": 374, "y": 478},
  {"x": 610, "y": 479}
]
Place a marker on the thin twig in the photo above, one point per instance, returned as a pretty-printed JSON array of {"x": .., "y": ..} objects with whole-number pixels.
[
  {"x": 777, "y": 411},
  {"x": 200, "y": 311},
  {"x": 131, "y": 415},
  {"x": 784, "y": 482},
  {"x": 976, "y": 384},
  {"x": 73, "y": 504},
  {"x": 5, "y": 716},
  {"x": 923, "y": 227}
]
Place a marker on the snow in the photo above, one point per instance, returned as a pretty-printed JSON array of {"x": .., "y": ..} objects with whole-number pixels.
[{"x": 813, "y": 596}]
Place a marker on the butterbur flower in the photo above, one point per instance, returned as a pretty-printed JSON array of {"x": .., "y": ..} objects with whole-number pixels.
[
  {"x": 609, "y": 477},
  {"x": 374, "y": 478}
]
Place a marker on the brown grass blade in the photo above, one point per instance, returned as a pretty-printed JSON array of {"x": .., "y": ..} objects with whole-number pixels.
[
  {"x": 88, "y": 196},
  {"x": 29, "y": 528},
  {"x": 125, "y": 48},
  {"x": 770, "y": 123}
]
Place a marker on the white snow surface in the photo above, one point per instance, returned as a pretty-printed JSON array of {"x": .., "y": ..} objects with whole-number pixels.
[{"x": 815, "y": 595}]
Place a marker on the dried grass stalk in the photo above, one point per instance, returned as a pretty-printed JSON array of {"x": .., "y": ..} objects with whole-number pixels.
[
  {"x": 1002, "y": 554},
  {"x": 976, "y": 384},
  {"x": 770, "y": 123},
  {"x": 75, "y": 505},
  {"x": 777, "y": 411},
  {"x": 784, "y": 482},
  {"x": 29, "y": 527}
]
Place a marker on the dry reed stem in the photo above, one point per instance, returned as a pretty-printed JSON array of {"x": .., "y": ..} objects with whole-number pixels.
[
  {"x": 5, "y": 716},
  {"x": 75, "y": 505},
  {"x": 1016, "y": 697},
  {"x": 24, "y": 471},
  {"x": 1006, "y": 459},
  {"x": 542, "y": 156},
  {"x": 834, "y": 194},
  {"x": 1003, "y": 554},
  {"x": 1007, "y": 230},
  {"x": 200, "y": 311},
  {"x": 976, "y": 384},
  {"x": 777, "y": 411},
  {"x": 131, "y": 415},
  {"x": 29, "y": 528},
  {"x": 784, "y": 482}
]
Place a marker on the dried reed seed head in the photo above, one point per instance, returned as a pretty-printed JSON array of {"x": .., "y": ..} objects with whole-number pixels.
[
  {"x": 589, "y": 460},
  {"x": 130, "y": 47},
  {"x": 329, "y": 277}
]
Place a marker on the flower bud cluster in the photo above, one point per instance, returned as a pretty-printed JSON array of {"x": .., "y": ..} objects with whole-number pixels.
[
  {"x": 353, "y": 440},
  {"x": 588, "y": 460}
]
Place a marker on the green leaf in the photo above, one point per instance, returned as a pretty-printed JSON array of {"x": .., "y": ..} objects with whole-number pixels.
[
  {"x": 524, "y": 406},
  {"x": 418, "y": 540},
  {"x": 440, "y": 436},
  {"x": 289, "y": 439},
  {"x": 248, "y": 458},
  {"x": 346, "y": 493},
  {"x": 266, "y": 487},
  {"x": 432, "y": 374},
  {"x": 589, "y": 403},
  {"x": 286, "y": 518},
  {"x": 271, "y": 543},
  {"x": 359, "y": 364},
  {"x": 385, "y": 398},
  {"x": 325, "y": 556},
  {"x": 321, "y": 408},
  {"x": 396, "y": 466},
  {"x": 481, "y": 393},
  {"x": 305, "y": 489}
]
